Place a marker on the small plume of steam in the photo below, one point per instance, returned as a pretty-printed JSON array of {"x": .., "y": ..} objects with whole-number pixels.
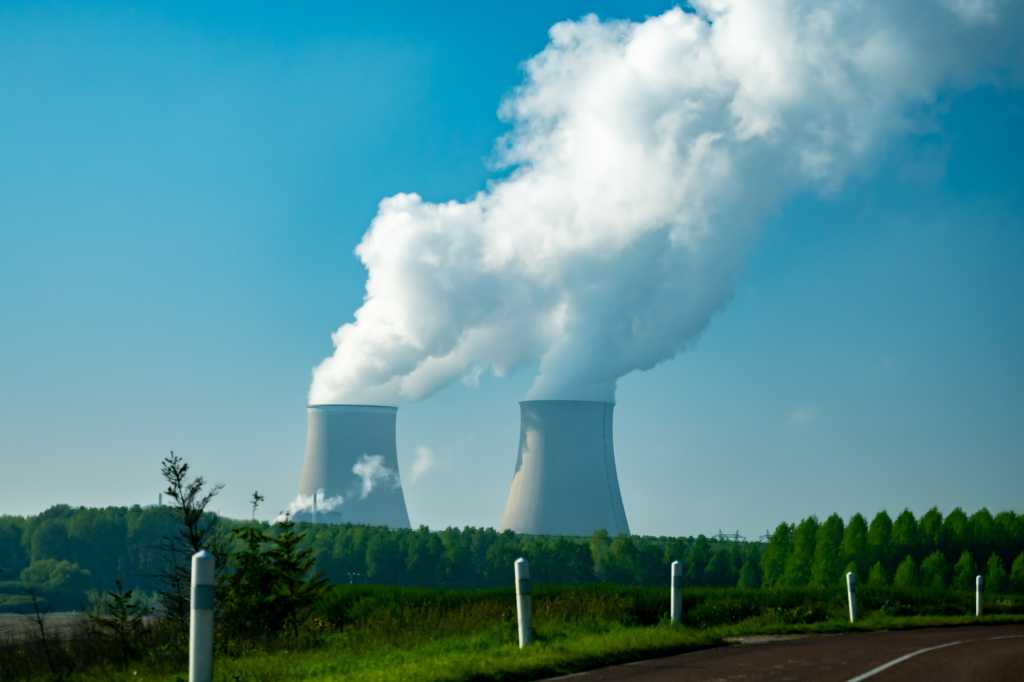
[
  {"x": 372, "y": 471},
  {"x": 423, "y": 463},
  {"x": 303, "y": 506},
  {"x": 643, "y": 157}
]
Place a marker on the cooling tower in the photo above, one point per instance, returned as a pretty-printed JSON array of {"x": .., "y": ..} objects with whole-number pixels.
[
  {"x": 350, "y": 452},
  {"x": 565, "y": 481}
]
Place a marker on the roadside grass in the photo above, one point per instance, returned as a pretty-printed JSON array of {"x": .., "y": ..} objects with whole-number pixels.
[
  {"x": 491, "y": 654},
  {"x": 379, "y": 633}
]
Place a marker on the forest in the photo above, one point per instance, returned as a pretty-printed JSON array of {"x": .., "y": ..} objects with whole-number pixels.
[{"x": 64, "y": 553}]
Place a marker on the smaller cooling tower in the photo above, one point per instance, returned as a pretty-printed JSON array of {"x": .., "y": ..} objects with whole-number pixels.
[
  {"x": 346, "y": 446},
  {"x": 565, "y": 481}
]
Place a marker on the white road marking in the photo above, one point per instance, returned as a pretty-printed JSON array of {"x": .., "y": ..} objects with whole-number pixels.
[{"x": 897, "y": 661}]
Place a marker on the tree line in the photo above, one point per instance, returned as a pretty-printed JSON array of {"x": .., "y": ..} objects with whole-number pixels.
[
  {"x": 67, "y": 551},
  {"x": 932, "y": 551}
]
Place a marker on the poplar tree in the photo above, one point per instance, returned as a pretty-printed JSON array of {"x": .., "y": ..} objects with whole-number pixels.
[
  {"x": 773, "y": 561},
  {"x": 905, "y": 537},
  {"x": 798, "y": 564},
  {"x": 880, "y": 539},
  {"x": 855, "y": 543},
  {"x": 827, "y": 553},
  {"x": 877, "y": 577},
  {"x": 995, "y": 574},
  {"x": 906, "y": 573},
  {"x": 930, "y": 532},
  {"x": 963, "y": 572},
  {"x": 1017, "y": 574},
  {"x": 934, "y": 571}
]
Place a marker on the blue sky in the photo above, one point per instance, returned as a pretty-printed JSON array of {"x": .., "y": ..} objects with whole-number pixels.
[{"x": 181, "y": 189}]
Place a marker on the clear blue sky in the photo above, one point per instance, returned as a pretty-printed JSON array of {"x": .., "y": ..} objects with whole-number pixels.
[{"x": 182, "y": 186}]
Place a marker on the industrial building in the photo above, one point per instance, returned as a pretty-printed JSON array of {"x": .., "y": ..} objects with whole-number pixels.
[
  {"x": 565, "y": 482},
  {"x": 351, "y": 467}
]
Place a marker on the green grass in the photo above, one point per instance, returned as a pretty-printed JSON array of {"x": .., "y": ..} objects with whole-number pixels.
[
  {"x": 382, "y": 634},
  {"x": 486, "y": 656}
]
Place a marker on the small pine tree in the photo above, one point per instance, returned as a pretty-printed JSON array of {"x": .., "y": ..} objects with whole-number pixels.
[
  {"x": 934, "y": 571},
  {"x": 297, "y": 584},
  {"x": 906, "y": 574},
  {"x": 877, "y": 576},
  {"x": 995, "y": 574},
  {"x": 119, "y": 615},
  {"x": 963, "y": 572},
  {"x": 1017, "y": 574}
]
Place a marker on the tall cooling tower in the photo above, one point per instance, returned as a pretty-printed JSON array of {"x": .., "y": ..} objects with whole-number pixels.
[
  {"x": 565, "y": 481},
  {"x": 350, "y": 452}
]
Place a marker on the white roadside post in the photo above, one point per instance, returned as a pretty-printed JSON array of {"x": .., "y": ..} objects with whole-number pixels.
[
  {"x": 676, "y": 610},
  {"x": 979, "y": 583},
  {"x": 524, "y": 608},
  {"x": 200, "y": 645},
  {"x": 851, "y": 594}
]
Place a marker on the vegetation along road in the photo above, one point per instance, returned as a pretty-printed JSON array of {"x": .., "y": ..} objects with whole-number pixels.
[{"x": 993, "y": 654}]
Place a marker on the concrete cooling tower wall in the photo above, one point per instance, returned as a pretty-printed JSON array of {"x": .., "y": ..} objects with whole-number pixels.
[
  {"x": 565, "y": 481},
  {"x": 351, "y": 461}
]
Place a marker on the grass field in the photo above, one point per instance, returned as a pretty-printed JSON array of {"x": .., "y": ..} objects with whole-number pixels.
[{"x": 377, "y": 633}]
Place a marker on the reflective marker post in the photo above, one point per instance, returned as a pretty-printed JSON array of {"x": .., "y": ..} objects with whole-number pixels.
[
  {"x": 200, "y": 644},
  {"x": 676, "y": 609},
  {"x": 851, "y": 594},
  {"x": 524, "y": 610},
  {"x": 979, "y": 583}
]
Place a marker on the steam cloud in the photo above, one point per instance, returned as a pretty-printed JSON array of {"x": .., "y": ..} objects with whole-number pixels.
[
  {"x": 302, "y": 506},
  {"x": 372, "y": 471},
  {"x": 423, "y": 463},
  {"x": 641, "y": 158}
]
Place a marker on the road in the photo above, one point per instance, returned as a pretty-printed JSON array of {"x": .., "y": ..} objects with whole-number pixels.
[{"x": 990, "y": 653}]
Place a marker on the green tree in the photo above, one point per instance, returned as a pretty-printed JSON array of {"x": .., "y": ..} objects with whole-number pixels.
[
  {"x": 880, "y": 539},
  {"x": 855, "y": 543},
  {"x": 877, "y": 576},
  {"x": 827, "y": 568},
  {"x": 196, "y": 528},
  {"x": 995, "y": 574},
  {"x": 981, "y": 529},
  {"x": 599, "y": 545},
  {"x": 935, "y": 571},
  {"x": 297, "y": 586},
  {"x": 719, "y": 571},
  {"x": 955, "y": 534},
  {"x": 62, "y": 583},
  {"x": 1008, "y": 540},
  {"x": 750, "y": 574},
  {"x": 12, "y": 552},
  {"x": 963, "y": 572},
  {"x": 906, "y": 573},
  {"x": 1017, "y": 574},
  {"x": 623, "y": 559},
  {"x": 49, "y": 540},
  {"x": 119, "y": 616},
  {"x": 798, "y": 564},
  {"x": 384, "y": 561},
  {"x": 905, "y": 539},
  {"x": 55, "y": 575},
  {"x": 773, "y": 560},
  {"x": 930, "y": 532},
  {"x": 697, "y": 560}
]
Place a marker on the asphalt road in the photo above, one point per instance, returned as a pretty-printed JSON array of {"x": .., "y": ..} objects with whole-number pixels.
[{"x": 990, "y": 653}]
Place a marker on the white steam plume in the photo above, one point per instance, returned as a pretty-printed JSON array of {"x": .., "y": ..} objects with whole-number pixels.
[
  {"x": 301, "y": 508},
  {"x": 642, "y": 157},
  {"x": 423, "y": 463},
  {"x": 372, "y": 471}
]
